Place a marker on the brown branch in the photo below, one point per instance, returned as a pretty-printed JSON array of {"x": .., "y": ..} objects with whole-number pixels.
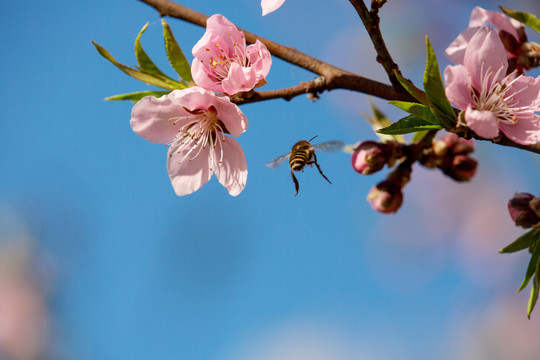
[
  {"x": 371, "y": 21},
  {"x": 320, "y": 85}
]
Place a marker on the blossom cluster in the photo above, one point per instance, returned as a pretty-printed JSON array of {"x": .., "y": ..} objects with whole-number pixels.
[
  {"x": 449, "y": 154},
  {"x": 196, "y": 121},
  {"x": 487, "y": 81}
]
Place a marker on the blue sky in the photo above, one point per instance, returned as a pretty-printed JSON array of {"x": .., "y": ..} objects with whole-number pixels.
[{"x": 141, "y": 273}]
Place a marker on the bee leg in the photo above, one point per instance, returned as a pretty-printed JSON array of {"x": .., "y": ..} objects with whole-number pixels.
[
  {"x": 296, "y": 185},
  {"x": 319, "y": 168}
]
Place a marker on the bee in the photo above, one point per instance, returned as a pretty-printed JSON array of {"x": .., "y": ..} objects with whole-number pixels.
[{"x": 302, "y": 154}]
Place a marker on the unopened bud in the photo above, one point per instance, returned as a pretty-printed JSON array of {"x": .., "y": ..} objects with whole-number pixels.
[
  {"x": 369, "y": 157},
  {"x": 385, "y": 197},
  {"x": 529, "y": 55},
  {"x": 523, "y": 209},
  {"x": 462, "y": 168},
  {"x": 458, "y": 145}
]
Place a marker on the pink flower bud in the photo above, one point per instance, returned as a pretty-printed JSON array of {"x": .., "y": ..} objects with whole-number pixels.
[
  {"x": 521, "y": 211},
  {"x": 369, "y": 157},
  {"x": 386, "y": 197},
  {"x": 457, "y": 145},
  {"x": 463, "y": 168}
]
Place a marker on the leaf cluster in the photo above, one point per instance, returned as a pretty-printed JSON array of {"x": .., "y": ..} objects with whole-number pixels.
[{"x": 147, "y": 71}]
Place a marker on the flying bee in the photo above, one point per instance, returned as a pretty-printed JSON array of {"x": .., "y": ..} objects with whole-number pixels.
[{"x": 302, "y": 154}]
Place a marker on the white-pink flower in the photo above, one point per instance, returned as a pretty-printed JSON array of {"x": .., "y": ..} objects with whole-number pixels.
[
  {"x": 270, "y": 5},
  {"x": 222, "y": 61},
  {"x": 512, "y": 30},
  {"x": 194, "y": 123},
  {"x": 492, "y": 100}
]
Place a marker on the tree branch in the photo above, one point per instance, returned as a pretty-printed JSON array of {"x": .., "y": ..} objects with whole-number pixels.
[
  {"x": 331, "y": 77},
  {"x": 371, "y": 21}
]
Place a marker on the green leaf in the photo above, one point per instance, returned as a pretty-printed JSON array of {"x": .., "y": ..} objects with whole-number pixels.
[
  {"x": 155, "y": 80},
  {"x": 522, "y": 242},
  {"x": 413, "y": 90},
  {"x": 419, "y": 135},
  {"x": 174, "y": 53},
  {"x": 440, "y": 106},
  {"x": 380, "y": 120},
  {"x": 136, "y": 96},
  {"x": 407, "y": 125},
  {"x": 145, "y": 63},
  {"x": 525, "y": 18},
  {"x": 418, "y": 110},
  {"x": 531, "y": 269},
  {"x": 534, "y": 294}
]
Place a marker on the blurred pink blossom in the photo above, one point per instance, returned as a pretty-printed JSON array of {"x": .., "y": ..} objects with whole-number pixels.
[
  {"x": 480, "y": 17},
  {"x": 270, "y": 5},
  {"x": 491, "y": 100},
  {"x": 194, "y": 122},
  {"x": 222, "y": 61}
]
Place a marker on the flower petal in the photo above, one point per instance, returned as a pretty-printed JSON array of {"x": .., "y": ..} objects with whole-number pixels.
[
  {"x": 482, "y": 122},
  {"x": 239, "y": 79},
  {"x": 230, "y": 114},
  {"x": 480, "y": 16},
  {"x": 150, "y": 118},
  {"x": 260, "y": 59},
  {"x": 525, "y": 132},
  {"x": 456, "y": 50},
  {"x": 484, "y": 54},
  {"x": 232, "y": 171},
  {"x": 458, "y": 86},
  {"x": 526, "y": 91},
  {"x": 202, "y": 78},
  {"x": 188, "y": 171},
  {"x": 270, "y": 5},
  {"x": 219, "y": 26}
]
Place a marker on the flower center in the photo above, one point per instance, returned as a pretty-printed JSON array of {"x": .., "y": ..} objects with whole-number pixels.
[
  {"x": 202, "y": 128},
  {"x": 222, "y": 60},
  {"x": 501, "y": 97}
]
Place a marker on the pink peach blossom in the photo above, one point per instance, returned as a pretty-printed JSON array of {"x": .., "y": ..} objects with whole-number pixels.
[
  {"x": 194, "y": 123},
  {"x": 493, "y": 101},
  {"x": 222, "y": 61},
  {"x": 509, "y": 29},
  {"x": 270, "y": 5}
]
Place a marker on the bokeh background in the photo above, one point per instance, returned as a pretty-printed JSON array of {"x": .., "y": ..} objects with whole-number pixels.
[{"x": 99, "y": 259}]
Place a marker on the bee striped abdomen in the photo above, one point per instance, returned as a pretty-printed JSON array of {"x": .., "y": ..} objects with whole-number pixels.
[{"x": 301, "y": 154}]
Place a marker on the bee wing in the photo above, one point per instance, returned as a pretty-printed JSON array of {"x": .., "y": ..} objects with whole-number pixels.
[
  {"x": 278, "y": 161},
  {"x": 329, "y": 145}
]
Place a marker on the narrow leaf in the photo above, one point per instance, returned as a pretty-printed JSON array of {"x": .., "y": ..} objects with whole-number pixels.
[
  {"x": 525, "y": 18},
  {"x": 534, "y": 294},
  {"x": 531, "y": 269},
  {"x": 174, "y": 53},
  {"x": 413, "y": 90},
  {"x": 434, "y": 87},
  {"x": 145, "y": 63},
  {"x": 418, "y": 110},
  {"x": 380, "y": 120},
  {"x": 147, "y": 78},
  {"x": 522, "y": 242},
  {"x": 136, "y": 96},
  {"x": 407, "y": 125}
]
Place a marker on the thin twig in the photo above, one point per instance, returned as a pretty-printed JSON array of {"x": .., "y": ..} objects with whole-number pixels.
[{"x": 371, "y": 21}]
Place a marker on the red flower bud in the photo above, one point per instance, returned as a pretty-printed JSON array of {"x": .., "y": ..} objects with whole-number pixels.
[
  {"x": 457, "y": 145},
  {"x": 463, "y": 168},
  {"x": 369, "y": 157},
  {"x": 523, "y": 209},
  {"x": 386, "y": 197}
]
